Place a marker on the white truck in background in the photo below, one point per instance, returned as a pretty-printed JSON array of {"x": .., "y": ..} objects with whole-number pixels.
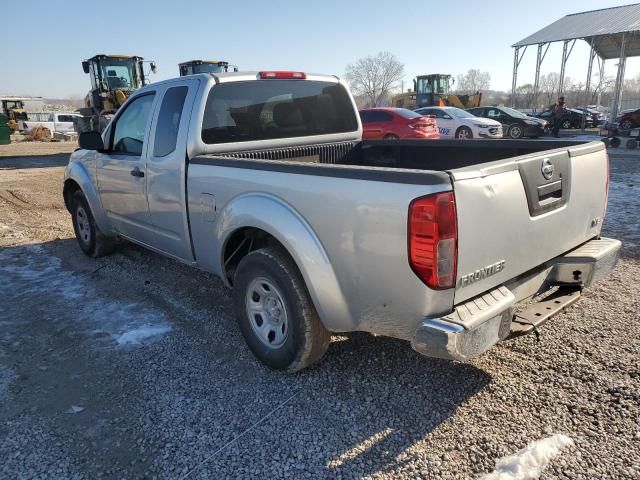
[{"x": 56, "y": 122}]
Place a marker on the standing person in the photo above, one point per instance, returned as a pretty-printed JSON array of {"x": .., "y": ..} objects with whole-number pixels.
[{"x": 557, "y": 112}]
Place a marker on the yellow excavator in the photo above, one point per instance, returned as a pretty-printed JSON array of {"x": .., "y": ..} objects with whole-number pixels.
[
  {"x": 113, "y": 79},
  {"x": 433, "y": 90},
  {"x": 13, "y": 108}
]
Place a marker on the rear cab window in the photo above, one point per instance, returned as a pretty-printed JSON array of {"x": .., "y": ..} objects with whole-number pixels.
[{"x": 272, "y": 109}]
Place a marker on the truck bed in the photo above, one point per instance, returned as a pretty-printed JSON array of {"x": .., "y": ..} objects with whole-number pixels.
[{"x": 357, "y": 195}]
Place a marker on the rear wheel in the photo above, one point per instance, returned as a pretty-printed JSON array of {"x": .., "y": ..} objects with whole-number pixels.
[
  {"x": 464, "y": 133},
  {"x": 275, "y": 313},
  {"x": 391, "y": 136},
  {"x": 566, "y": 124},
  {"x": 626, "y": 125},
  {"x": 91, "y": 240},
  {"x": 516, "y": 131}
]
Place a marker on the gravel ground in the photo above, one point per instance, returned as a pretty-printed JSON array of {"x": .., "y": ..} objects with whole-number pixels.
[{"x": 133, "y": 367}]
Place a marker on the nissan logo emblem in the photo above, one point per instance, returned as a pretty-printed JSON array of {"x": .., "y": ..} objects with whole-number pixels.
[{"x": 547, "y": 169}]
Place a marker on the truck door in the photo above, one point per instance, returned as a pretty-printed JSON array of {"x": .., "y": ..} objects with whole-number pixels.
[
  {"x": 121, "y": 169},
  {"x": 167, "y": 170}
]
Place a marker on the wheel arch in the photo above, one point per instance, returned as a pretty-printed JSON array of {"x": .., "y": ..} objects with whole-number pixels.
[
  {"x": 77, "y": 178},
  {"x": 256, "y": 220}
]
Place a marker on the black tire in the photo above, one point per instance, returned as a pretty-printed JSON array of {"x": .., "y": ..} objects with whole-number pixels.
[
  {"x": 566, "y": 124},
  {"x": 464, "y": 133},
  {"x": 626, "y": 125},
  {"x": 91, "y": 240},
  {"x": 306, "y": 339},
  {"x": 391, "y": 136},
  {"x": 632, "y": 144},
  {"x": 516, "y": 131}
]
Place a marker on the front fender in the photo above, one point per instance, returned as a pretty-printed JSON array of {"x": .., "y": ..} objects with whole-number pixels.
[
  {"x": 276, "y": 217},
  {"x": 78, "y": 172}
]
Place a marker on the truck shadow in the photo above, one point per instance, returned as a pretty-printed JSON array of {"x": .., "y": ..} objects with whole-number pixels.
[
  {"x": 357, "y": 412},
  {"x": 15, "y": 162}
]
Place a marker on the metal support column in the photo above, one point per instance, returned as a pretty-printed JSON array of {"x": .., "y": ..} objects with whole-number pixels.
[
  {"x": 565, "y": 56},
  {"x": 515, "y": 77},
  {"x": 517, "y": 58},
  {"x": 600, "y": 80},
  {"x": 587, "y": 88},
  {"x": 617, "y": 96},
  {"x": 536, "y": 84}
]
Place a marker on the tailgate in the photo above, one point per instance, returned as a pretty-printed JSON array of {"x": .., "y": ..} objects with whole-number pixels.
[{"x": 516, "y": 214}]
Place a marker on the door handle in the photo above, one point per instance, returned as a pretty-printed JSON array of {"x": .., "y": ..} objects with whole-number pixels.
[{"x": 136, "y": 172}]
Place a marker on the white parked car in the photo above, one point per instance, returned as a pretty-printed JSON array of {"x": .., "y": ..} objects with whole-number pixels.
[
  {"x": 60, "y": 122},
  {"x": 457, "y": 123}
]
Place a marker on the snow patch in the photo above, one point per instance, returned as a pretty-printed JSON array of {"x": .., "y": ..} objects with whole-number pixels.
[
  {"x": 141, "y": 334},
  {"x": 35, "y": 276},
  {"x": 529, "y": 462}
]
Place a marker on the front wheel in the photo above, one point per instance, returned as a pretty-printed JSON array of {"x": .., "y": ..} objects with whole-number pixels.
[
  {"x": 566, "y": 124},
  {"x": 464, "y": 133},
  {"x": 275, "y": 313},
  {"x": 91, "y": 240}
]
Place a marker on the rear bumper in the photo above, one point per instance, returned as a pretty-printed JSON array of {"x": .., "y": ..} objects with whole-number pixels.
[{"x": 477, "y": 324}]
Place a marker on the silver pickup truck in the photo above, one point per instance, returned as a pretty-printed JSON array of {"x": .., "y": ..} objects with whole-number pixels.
[{"x": 262, "y": 179}]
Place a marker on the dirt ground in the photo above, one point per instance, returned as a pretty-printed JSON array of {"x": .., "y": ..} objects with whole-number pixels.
[
  {"x": 132, "y": 366},
  {"x": 30, "y": 149}
]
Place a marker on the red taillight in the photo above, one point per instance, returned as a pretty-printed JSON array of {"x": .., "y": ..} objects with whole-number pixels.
[
  {"x": 419, "y": 126},
  {"x": 279, "y": 74},
  {"x": 433, "y": 239}
]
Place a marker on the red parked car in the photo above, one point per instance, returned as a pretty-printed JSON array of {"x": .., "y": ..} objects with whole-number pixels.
[{"x": 396, "y": 123}]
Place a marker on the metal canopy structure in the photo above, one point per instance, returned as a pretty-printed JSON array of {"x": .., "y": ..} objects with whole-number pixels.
[{"x": 610, "y": 32}]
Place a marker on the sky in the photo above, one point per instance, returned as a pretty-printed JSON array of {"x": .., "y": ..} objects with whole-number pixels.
[{"x": 44, "y": 54}]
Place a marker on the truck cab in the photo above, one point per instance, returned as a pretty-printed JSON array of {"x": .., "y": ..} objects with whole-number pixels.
[{"x": 193, "y": 67}]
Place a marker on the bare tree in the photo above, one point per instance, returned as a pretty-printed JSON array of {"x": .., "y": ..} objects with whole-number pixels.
[
  {"x": 524, "y": 96},
  {"x": 374, "y": 77},
  {"x": 602, "y": 89},
  {"x": 474, "y": 80},
  {"x": 549, "y": 87}
]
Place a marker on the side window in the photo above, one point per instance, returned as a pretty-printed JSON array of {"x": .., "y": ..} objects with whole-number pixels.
[
  {"x": 378, "y": 116},
  {"x": 385, "y": 117},
  {"x": 131, "y": 125},
  {"x": 169, "y": 121},
  {"x": 365, "y": 117},
  {"x": 65, "y": 118},
  {"x": 493, "y": 113}
]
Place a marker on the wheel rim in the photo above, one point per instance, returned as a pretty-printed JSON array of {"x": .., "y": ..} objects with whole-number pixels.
[
  {"x": 566, "y": 125},
  {"x": 84, "y": 228},
  {"x": 516, "y": 132},
  {"x": 626, "y": 125},
  {"x": 267, "y": 312},
  {"x": 463, "y": 134}
]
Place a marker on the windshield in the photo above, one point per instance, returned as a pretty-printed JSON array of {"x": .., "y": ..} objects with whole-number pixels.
[
  {"x": 119, "y": 73},
  {"x": 514, "y": 113},
  {"x": 456, "y": 112},
  {"x": 209, "y": 68},
  {"x": 407, "y": 113},
  {"x": 269, "y": 109}
]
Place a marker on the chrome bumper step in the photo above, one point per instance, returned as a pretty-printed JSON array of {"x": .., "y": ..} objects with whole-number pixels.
[{"x": 538, "y": 313}]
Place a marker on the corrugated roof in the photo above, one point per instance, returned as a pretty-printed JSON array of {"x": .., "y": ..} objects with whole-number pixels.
[{"x": 601, "y": 28}]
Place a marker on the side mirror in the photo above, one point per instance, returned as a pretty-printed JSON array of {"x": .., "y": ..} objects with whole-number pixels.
[
  {"x": 154, "y": 69},
  {"x": 85, "y": 66},
  {"x": 90, "y": 141}
]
